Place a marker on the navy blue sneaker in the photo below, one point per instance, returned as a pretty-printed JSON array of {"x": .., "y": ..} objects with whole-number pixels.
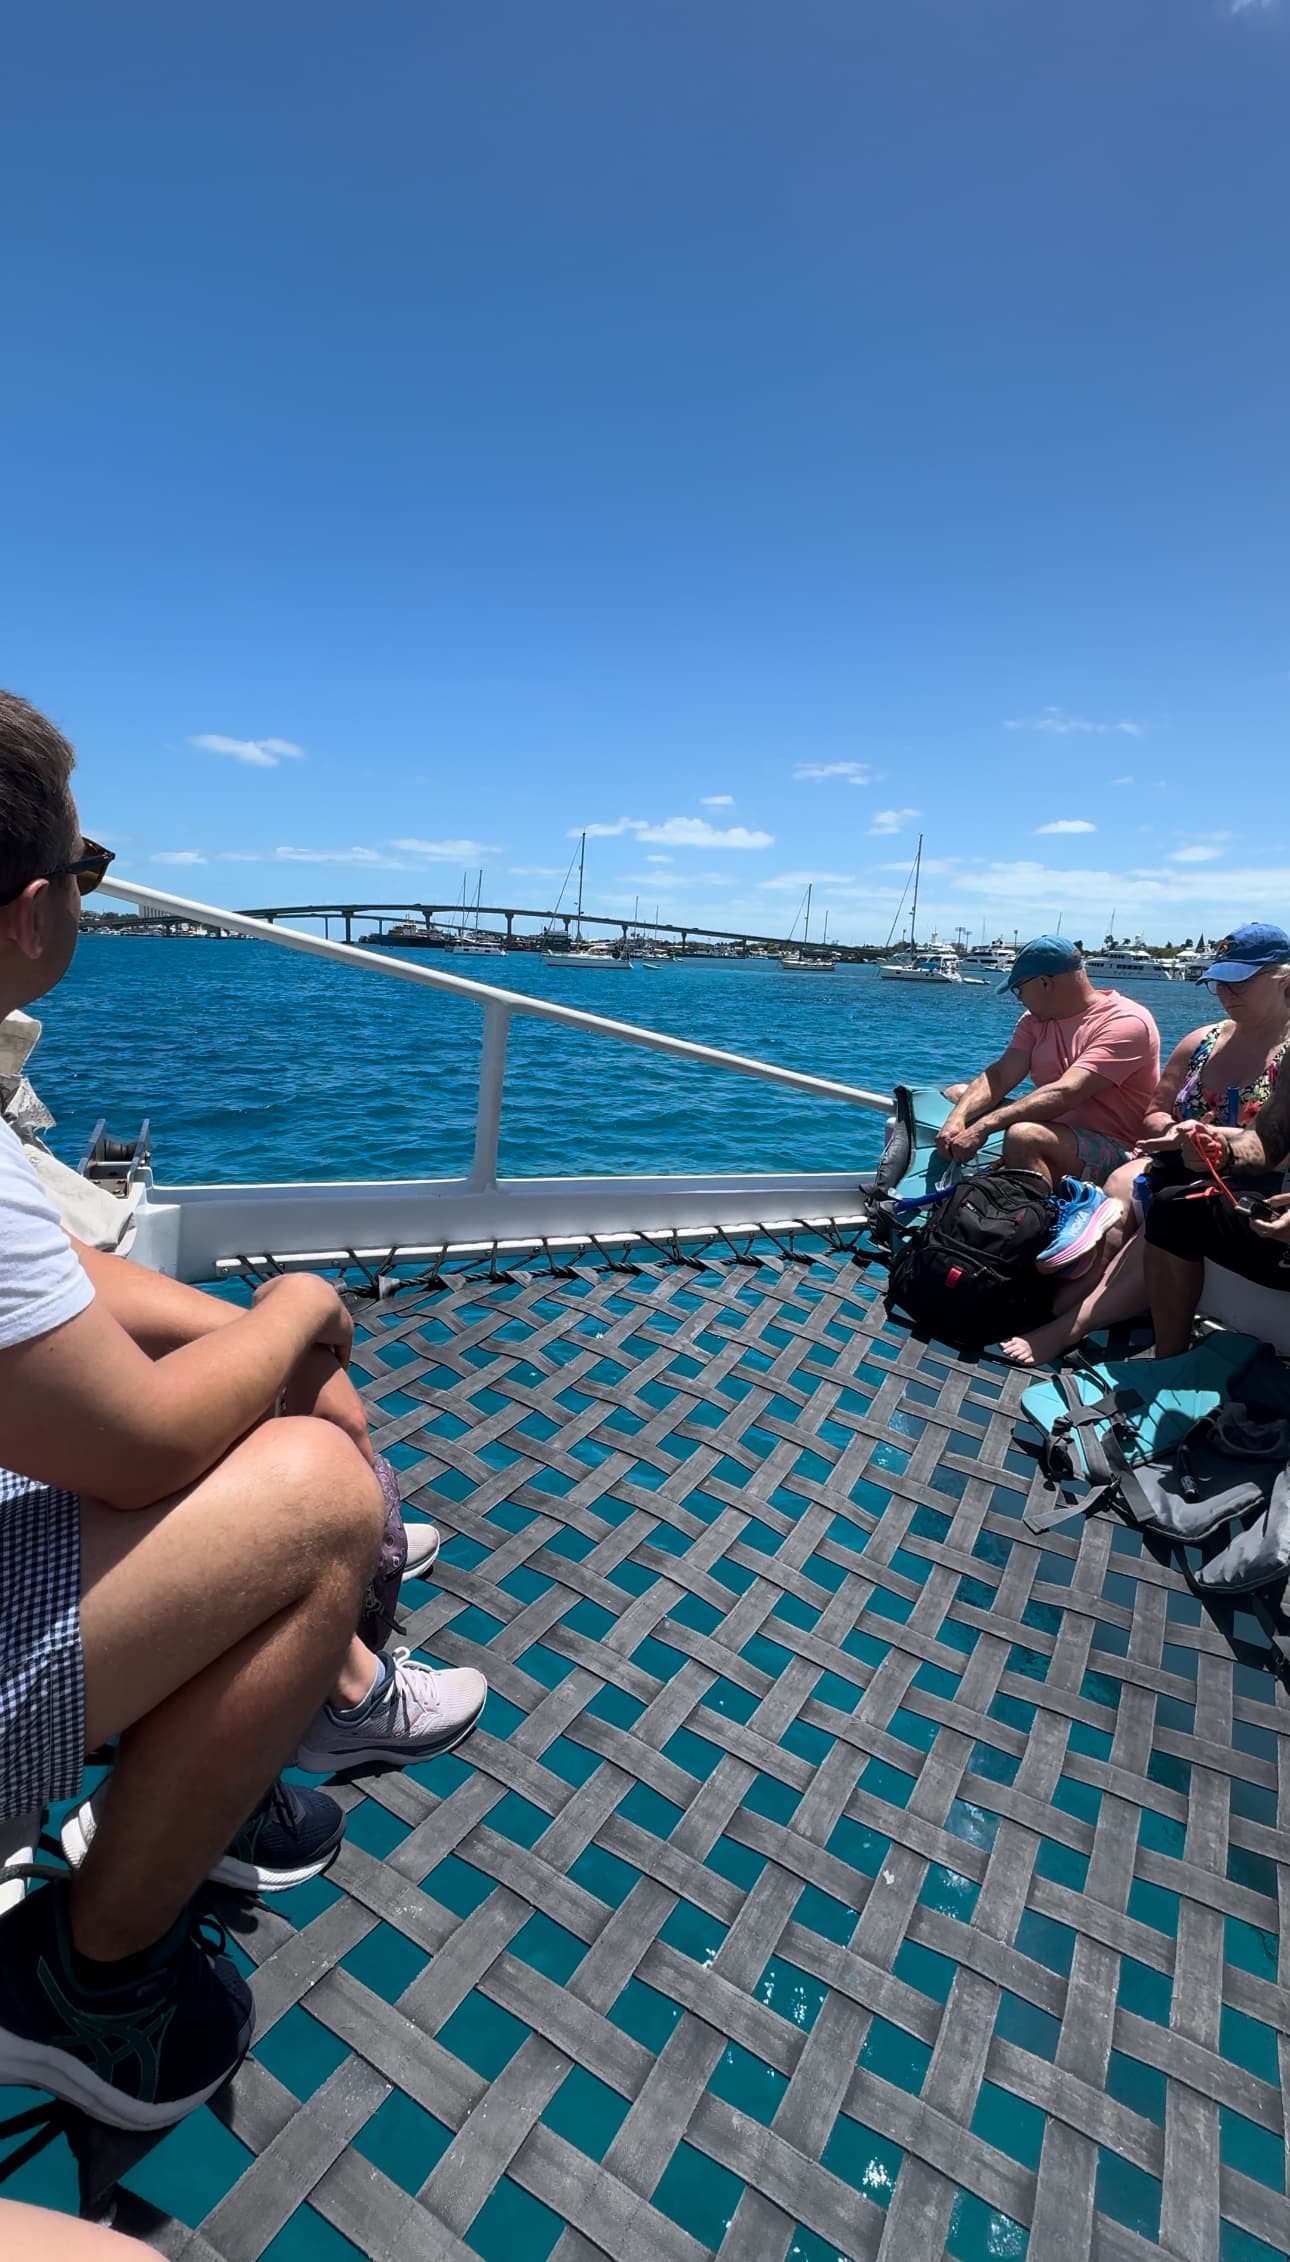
[
  {"x": 137, "y": 2053},
  {"x": 292, "y": 1836}
]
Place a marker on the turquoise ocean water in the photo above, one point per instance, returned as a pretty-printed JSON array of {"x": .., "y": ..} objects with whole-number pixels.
[{"x": 254, "y": 1063}]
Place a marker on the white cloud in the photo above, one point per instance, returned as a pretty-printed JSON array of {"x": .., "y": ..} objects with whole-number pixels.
[
  {"x": 1067, "y": 825},
  {"x": 788, "y": 882},
  {"x": 448, "y": 851},
  {"x": 855, "y": 773},
  {"x": 717, "y": 801},
  {"x": 1196, "y": 854},
  {"x": 1122, "y": 781},
  {"x": 893, "y": 820},
  {"x": 1056, "y": 721},
  {"x": 659, "y": 860},
  {"x": 392, "y": 856},
  {"x": 678, "y": 832},
  {"x": 258, "y": 753},
  {"x": 372, "y": 857},
  {"x": 177, "y": 856},
  {"x": 535, "y": 871}
]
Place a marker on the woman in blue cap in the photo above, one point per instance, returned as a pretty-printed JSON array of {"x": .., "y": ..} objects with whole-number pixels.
[{"x": 1221, "y": 1076}]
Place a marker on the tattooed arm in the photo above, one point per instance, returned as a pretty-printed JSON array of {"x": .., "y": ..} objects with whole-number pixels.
[{"x": 1265, "y": 1143}]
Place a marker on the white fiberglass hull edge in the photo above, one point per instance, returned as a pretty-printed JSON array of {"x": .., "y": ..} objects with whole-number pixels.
[{"x": 196, "y": 1232}]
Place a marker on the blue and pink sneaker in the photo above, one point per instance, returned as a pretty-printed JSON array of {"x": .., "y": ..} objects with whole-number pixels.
[{"x": 1084, "y": 1214}]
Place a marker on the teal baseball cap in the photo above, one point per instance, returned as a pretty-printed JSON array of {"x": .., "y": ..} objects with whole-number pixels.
[{"x": 1047, "y": 954}]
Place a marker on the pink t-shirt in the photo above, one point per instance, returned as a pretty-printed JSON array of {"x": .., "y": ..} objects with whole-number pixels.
[{"x": 1114, "y": 1037}]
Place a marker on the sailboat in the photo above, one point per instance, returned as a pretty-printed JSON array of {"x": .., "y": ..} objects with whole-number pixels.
[
  {"x": 937, "y": 962},
  {"x": 821, "y": 960},
  {"x": 474, "y": 942},
  {"x": 598, "y": 956}
]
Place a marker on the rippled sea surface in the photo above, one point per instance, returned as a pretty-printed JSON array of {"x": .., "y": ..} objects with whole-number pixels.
[{"x": 255, "y": 1063}]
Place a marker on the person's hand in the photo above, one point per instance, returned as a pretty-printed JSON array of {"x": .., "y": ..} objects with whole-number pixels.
[
  {"x": 1198, "y": 1145},
  {"x": 321, "y": 1387},
  {"x": 1164, "y": 1143},
  {"x": 1275, "y": 1228},
  {"x": 962, "y": 1141},
  {"x": 331, "y": 1327}
]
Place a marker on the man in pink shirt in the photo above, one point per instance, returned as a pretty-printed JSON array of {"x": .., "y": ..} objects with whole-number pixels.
[{"x": 1093, "y": 1058}]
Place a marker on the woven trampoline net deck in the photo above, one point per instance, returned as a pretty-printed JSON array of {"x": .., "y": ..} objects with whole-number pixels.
[{"x": 841, "y": 1868}]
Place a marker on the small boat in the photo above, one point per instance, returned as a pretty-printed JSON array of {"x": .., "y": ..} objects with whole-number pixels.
[
  {"x": 938, "y": 964},
  {"x": 593, "y": 957},
  {"x": 804, "y": 960}
]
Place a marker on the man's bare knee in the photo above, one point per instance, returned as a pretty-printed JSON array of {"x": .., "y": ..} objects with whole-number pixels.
[{"x": 317, "y": 1477}]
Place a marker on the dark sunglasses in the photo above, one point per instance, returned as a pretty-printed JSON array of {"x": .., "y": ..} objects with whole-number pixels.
[{"x": 88, "y": 871}]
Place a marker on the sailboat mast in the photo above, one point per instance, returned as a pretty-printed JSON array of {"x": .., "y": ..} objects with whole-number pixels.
[
  {"x": 806, "y": 930},
  {"x": 913, "y": 924},
  {"x": 582, "y": 863}
]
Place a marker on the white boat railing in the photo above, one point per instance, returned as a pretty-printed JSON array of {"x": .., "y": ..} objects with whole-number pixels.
[
  {"x": 498, "y": 1006},
  {"x": 194, "y": 1231}
]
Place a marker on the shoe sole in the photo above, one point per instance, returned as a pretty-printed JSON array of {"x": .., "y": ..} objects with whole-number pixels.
[
  {"x": 35, "y": 2065},
  {"x": 1099, "y": 1222},
  {"x": 314, "y": 1760},
  {"x": 77, "y": 1836},
  {"x": 420, "y": 1560}
]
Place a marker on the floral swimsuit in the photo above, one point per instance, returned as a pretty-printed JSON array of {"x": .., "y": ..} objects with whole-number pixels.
[{"x": 1195, "y": 1105}]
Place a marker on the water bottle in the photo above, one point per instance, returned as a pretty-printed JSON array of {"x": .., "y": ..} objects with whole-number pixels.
[{"x": 1142, "y": 1195}]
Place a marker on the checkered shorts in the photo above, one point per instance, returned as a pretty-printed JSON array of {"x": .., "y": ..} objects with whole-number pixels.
[{"x": 42, "y": 1670}]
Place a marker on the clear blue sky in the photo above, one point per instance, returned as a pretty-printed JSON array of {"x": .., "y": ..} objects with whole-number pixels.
[{"x": 546, "y": 413}]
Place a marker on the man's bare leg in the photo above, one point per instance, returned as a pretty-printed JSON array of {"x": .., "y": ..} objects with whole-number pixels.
[
  {"x": 320, "y": 1387},
  {"x": 211, "y": 1629},
  {"x": 1174, "y": 1287},
  {"x": 1046, "y": 1147}
]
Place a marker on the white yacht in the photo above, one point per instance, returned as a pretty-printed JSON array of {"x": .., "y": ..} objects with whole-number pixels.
[
  {"x": 989, "y": 958},
  {"x": 1127, "y": 963}
]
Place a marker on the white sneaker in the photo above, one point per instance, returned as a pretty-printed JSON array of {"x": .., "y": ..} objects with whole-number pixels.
[
  {"x": 423, "y": 1549},
  {"x": 424, "y": 1711}
]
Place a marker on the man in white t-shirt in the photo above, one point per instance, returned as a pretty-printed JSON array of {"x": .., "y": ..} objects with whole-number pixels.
[{"x": 171, "y": 1574}]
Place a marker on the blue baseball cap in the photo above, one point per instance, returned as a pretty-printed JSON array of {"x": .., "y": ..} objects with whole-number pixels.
[
  {"x": 1047, "y": 954},
  {"x": 1246, "y": 951}
]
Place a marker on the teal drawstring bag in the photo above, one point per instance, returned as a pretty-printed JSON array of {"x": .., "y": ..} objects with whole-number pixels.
[{"x": 1097, "y": 1422}]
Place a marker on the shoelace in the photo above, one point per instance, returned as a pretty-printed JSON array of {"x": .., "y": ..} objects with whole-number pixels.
[
  {"x": 396, "y": 1694},
  {"x": 48, "y": 1872},
  {"x": 279, "y": 1804}
]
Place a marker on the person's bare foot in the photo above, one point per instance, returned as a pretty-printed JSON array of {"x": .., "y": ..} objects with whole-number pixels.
[{"x": 1041, "y": 1345}]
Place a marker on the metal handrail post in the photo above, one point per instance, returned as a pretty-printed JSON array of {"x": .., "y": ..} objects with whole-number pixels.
[{"x": 488, "y": 1104}]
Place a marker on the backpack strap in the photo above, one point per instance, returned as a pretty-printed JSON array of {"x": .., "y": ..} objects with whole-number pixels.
[{"x": 1107, "y": 1469}]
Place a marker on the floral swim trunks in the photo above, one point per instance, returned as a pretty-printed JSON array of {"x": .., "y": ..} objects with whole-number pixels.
[{"x": 1099, "y": 1154}]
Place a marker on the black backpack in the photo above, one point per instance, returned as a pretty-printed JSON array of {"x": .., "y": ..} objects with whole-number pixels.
[{"x": 968, "y": 1275}]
